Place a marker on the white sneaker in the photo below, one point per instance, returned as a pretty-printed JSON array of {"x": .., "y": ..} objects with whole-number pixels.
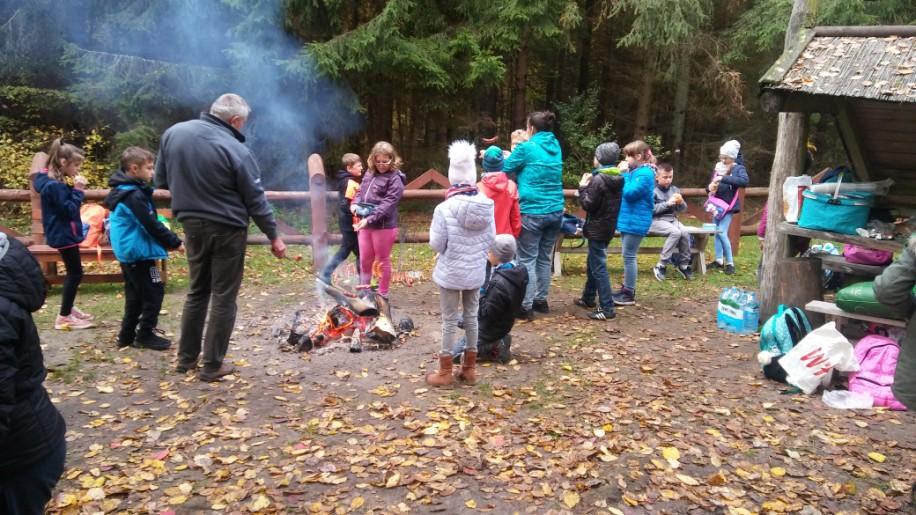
[
  {"x": 82, "y": 315},
  {"x": 70, "y": 322}
]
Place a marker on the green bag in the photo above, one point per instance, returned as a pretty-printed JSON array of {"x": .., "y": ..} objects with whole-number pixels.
[{"x": 860, "y": 298}]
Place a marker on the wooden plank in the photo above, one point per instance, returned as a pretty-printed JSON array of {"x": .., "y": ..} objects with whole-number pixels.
[
  {"x": 850, "y": 138},
  {"x": 794, "y": 230},
  {"x": 831, "y": 309},
  {"x": 839, "y": 264},
  {"x": 431, "y": 176}
]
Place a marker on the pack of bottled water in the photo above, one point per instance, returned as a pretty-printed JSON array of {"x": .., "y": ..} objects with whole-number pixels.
[{"x": 738, "y": 311}]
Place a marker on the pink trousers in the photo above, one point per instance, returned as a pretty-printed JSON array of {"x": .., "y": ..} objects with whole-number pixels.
[{"x": 376, "y": 244}]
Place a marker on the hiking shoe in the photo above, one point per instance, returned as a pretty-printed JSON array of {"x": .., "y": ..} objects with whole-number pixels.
[
  {"x": 525, "y": 314},
  {"x": 600, "y": 314},
  {"x": 216, "y": 375},
  {"x": 659, "y": 271},
  {"x": 152, "y": 341},
  {"x": 583, "y": 304},
  {"x": 540, "y": 306},
  {"x": 686, "y": 272},
  {"x": 69, "y": 322},
  {"x": 82, "y": 315},
  {"x": 624, "y": 297},
  {"x": 729, "y": 269},
  {"x": 125, "y": 340},
  {"x": 182, "y": 368},
  {"x": 713, "y": 265}
]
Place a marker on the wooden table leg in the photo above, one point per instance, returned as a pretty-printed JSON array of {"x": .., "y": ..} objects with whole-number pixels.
[{"x": 700, "y": 264}]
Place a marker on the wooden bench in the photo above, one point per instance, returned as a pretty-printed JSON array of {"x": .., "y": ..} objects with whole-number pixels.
[
  {"x": 833, "y": 312},
  {"x": 697, "y": 250}
]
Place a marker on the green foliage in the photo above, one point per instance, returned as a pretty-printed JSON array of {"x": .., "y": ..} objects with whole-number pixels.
[
  {"x": 662, "y": 23},
  {"x": 22, "y": 107},
  {"x": 581, "y": 131}
]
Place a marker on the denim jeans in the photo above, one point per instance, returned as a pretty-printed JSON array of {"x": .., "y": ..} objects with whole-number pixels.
[
  {"x": 535, "y": 251},
  {"x": 28, "y": 489},
  {"x": 596, "y": 277},
  {"x": 723, "y": 245},
  {"x": 629, "y": 245}
]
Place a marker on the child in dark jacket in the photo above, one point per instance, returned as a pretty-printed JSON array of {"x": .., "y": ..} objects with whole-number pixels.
[
  {"x": 138, "y": 238},
  {"x": 60, "y": 217},
  {"x": 500, "y": 298},
  {"x": 32, "y": 445},
  {"x": 347, "y": 186},
  {"x": 668, "y": 204},
  {"x": 599, "y": 195}
]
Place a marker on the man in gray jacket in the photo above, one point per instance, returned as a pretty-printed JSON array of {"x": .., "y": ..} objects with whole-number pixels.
[{"x": 216, "y": 187}]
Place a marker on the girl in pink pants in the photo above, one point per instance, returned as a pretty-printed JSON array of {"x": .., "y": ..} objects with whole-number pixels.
[{"x": 376, "y": 204}]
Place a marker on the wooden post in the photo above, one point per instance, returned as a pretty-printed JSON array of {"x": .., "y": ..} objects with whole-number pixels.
[
  {"x": 806, "y": 285},
  {"x": 39, "y": 161},
  {"x": 789, "y": 160},
  {"x": 318, "y": 193}
]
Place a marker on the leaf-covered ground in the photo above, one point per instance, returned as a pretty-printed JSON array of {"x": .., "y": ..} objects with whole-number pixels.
[{"x": 656, "y": 411}]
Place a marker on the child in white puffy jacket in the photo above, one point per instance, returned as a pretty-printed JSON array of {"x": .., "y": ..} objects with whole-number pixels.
[{"x": 461, "y": 233}]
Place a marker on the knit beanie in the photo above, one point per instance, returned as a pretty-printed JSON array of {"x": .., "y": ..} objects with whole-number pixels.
[
  {"x": 607, "y": 153},
  {"x": 503, "y": 247},
  {"x": 461, "y": 167},
  {"x": 730, "y": 149},
  {"x": 493, "y": 159}
]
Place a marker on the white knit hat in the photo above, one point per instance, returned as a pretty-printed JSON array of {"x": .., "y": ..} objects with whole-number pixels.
[
  {"x": 730, "y": 149},
  {"x": 461, "y": 166}
]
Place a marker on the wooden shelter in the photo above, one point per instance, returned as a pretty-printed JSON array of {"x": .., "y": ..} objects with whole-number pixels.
[{"x": 865, "y": 77}]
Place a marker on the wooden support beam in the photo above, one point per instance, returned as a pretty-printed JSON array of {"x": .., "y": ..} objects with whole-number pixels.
[
  {"x": 851, "y": 141},
  {"x": 317, "y": 186}
]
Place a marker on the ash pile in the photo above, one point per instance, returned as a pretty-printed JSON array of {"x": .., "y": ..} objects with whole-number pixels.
[{"x": 361, "y": 320}]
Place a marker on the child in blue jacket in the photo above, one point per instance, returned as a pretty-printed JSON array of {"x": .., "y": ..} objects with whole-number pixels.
[
  {"x": 60, "y": 217},
  {"x": 138, "y": 238},
  {"x": 635, "y": 217}
]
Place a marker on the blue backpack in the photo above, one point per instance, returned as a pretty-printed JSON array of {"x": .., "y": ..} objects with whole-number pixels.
[{"x": 779, "y": 334}]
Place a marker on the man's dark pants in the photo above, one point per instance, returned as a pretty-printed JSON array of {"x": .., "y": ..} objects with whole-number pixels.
[
  {"x": 143, "y": 293},
  {"x": 216, "y": 260}
]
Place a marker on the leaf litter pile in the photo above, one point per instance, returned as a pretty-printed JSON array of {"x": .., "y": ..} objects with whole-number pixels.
[{"x": 654, "y": 412}]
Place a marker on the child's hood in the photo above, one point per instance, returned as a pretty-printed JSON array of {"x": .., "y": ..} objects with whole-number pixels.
[
  {"x": 117, "y": 195},
  {"x": 496, "y": 181},
  {"x": 608, "y": 170},
  {"x": 547, "y": 141},
  {"x": 473, "y": 212}
]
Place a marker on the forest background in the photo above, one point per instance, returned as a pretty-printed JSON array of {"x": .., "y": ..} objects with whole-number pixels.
[{"x": 334, "y": 76}]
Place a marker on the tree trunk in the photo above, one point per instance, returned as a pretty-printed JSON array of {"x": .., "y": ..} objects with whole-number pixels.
[
  {"x": 585, "y": 48},
  {"x": 681, "y": 96},
  {"x": 520, "y": 83},
  {"x": 644, "y": 107},
  {"x": 789, "y": 160}
]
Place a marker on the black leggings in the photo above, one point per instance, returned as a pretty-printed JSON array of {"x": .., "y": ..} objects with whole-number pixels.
[{"x": 71, "y": 259}]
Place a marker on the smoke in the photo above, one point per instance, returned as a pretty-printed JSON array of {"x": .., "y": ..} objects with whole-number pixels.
[{"x": 172, "y": 58}]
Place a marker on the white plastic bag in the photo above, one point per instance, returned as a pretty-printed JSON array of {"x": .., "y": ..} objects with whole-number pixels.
[
  {"x": 791, "y": 196},
  {"x": 811, "y": 362},
  {"x": 844, "y": 399}
]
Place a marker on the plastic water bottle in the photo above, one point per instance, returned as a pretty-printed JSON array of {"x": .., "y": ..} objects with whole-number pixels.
[
  {"x": 720, "y": 320},
  {"x": 751, "y": 314}
]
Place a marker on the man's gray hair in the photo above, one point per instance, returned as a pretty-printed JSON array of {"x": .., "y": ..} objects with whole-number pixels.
[{"x": 229, "y": 105}]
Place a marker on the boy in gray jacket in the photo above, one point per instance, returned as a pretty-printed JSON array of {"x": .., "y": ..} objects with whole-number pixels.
[{"x": 668, "y": 204}]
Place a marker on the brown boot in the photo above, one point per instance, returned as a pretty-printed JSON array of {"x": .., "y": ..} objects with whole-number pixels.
[
  {"x": 467, "y": 374},
  {"x": 443, "y": 376}
]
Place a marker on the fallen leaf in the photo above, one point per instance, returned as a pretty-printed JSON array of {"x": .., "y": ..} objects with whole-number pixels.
[
  {"x": 570, "y": 499},
  {"x": 877, "y": 456},
  {"x": 259, "y": 503},
  {"x": 778, "y": 471},
  {"x": 393, "y": 480},
  {"x": 688, "y": 480},
  {"x": 470, "y": 503},
  {"x": 357, "y": 503},
  {"x": 671, "y": 453}
]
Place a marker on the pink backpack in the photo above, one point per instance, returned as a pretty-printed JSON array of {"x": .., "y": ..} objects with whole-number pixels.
[
  {"x": 866, "y": 256},
  {"x": 877, "y": 357}
]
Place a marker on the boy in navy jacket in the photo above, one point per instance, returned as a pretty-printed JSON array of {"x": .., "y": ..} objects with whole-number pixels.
[{"x": 138, "y": 238}]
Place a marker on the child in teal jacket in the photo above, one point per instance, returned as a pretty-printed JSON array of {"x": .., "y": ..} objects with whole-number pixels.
[{"x": 635, "y": 214}]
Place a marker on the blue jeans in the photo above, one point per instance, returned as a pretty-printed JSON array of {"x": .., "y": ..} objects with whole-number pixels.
[
  {"x": 535, "y": 251},
  {"x": 629, "y": 245},
  {"x": 722, "y": 244},
  {"x": 28, "y": 489},
  {"x": 596, "y": 277}
]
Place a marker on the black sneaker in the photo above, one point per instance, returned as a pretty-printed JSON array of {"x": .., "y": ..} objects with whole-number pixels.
[
  {"x": 600, "y": 314},
  {"x": 659, "y": 271},
  {"x": 152, "y": 341},
  {"x": 525, "y": 314},
  {"x": 540, "y": 306},
  {"x": 125, "y": 340},
  {"x": 713, "y": 265},
  {"x": 729, "y": 269},
  {"x": 686, "y": 272},
  {"x": 624, "y": 297},
  {"x": 582, "y": 304}
]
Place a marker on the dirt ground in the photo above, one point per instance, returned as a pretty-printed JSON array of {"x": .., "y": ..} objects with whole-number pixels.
[{"x": 653, "y": 412}]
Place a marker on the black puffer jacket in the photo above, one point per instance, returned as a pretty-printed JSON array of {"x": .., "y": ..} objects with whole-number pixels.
[
  {"x": 500, "y": 302},
  {"x": 30, "y": 426},
  {"x": 344, "y": 216},
  {"x": 601, "y": 202}
]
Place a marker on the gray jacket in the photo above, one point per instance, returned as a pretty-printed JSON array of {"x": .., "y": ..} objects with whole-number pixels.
[
  {"x": 212, "y": 175},
  {"x": 894, "y": 289},
  {"x": 662, "y": 211},
  {"x": 461, "y": 233}
]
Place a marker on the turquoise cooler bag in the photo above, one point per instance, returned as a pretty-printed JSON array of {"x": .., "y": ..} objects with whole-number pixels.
[{"x": 844, "y": 214}]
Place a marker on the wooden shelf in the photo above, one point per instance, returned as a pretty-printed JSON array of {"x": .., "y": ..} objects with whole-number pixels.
[
  {"x": 795, "y": 230},
  {"x": 839, "y": 264},
  {"x": 832, "y": 310}
]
